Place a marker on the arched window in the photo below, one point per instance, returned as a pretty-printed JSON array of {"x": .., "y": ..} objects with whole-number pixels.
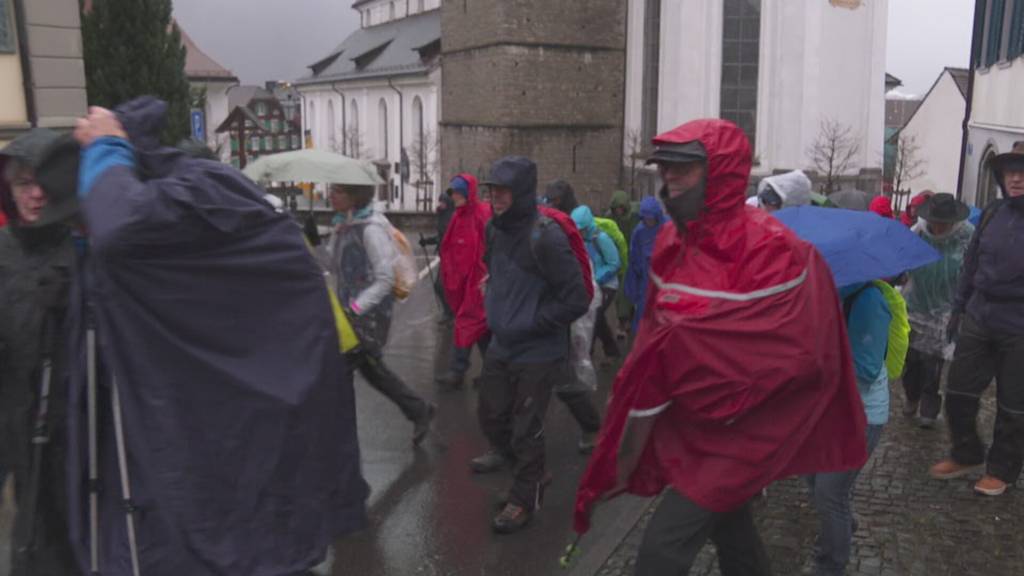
[
  {"x": 420, "y": 147},
  {"x": 988, "y": 188},
  {"x": 332, "y": 127},
  {"x": 382, "y": 135}
]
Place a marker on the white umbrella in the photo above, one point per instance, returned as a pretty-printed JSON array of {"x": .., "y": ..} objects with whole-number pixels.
[{"x": 316, "y": 166}]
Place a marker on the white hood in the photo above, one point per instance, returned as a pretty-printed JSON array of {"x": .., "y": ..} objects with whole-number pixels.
[{"x": 793, "y": 187}]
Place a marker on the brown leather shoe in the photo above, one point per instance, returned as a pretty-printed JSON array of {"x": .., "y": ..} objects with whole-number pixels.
[
  {"x": 990, "y": 486},
  {"x": 949, "y": 469},
  {"x": 512, "y": 518}
]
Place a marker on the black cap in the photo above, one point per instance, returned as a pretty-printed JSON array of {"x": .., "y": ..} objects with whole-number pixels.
[{"x": 678, "y": 153}]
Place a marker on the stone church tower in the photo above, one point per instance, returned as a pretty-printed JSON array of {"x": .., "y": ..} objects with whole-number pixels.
[{"x": 539, "y": 78}]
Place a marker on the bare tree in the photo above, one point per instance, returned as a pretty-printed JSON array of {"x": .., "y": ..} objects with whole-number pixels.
[
  {"x": 633, "y": 155},
  {"x": 908, "y": 166},
  {"x": 833, "y": 152},
  {"x": 352, "y": 144},
  {"x": 424, "y": 157}
]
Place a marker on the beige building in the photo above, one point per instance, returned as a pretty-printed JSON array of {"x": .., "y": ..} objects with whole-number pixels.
[{"x": 42, "y": 75}]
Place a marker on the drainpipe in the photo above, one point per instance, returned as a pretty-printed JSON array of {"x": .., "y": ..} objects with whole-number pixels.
[
  {"x": 344, "y": 122},
  {"x": 401, "y": 140},
  {"x": 26, "y": 63},
  {"x": 979, "y": 19}
]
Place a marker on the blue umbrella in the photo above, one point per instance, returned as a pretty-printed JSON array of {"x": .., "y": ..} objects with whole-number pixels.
[{"x": 859, "y": 246}]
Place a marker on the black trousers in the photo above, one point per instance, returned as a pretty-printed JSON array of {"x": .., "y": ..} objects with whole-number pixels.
[
  {"x": 461, "y": 356},
  {"x": 581, "y": 406},
  {"x": 981, "y": 355},
  {"x": 513, "y": 402},
  {"x": 921, "y": 382},
  {"x": 602, "y": 330},
  {"x": 680, "y": 528},
  {"x": 371, "y": 365}
]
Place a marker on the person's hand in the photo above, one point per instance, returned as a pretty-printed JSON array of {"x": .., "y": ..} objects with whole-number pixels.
[
  {"x": 99, "y": 123},
  {"x": 953, "y": 327}
]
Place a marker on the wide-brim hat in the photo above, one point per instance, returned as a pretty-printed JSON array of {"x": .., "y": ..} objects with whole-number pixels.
[
  {"x": 943, "y": 208},
  {"x": 1014, "y": 155}
]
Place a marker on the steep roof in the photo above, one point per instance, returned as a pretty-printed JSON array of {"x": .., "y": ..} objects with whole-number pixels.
[
  {"x": 403, "y": 46},
  {"x": 199, "y": 65},
  {"x": 892, "y": 81},
  {"x": 242, "y": 95},
  {"x": 960, "y": 76}
]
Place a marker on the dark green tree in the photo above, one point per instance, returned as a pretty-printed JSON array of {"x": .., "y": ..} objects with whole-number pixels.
[{"x": 133, "y": 48}]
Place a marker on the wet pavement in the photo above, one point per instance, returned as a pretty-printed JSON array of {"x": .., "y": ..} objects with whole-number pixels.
[
  {"x": 908, "y": 524},
  {"x": 428, "y": 513}
]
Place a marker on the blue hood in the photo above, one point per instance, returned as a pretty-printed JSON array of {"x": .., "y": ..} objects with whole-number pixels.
[
  {"x": 584, "y": 220},
  {"x": 651, "y": 208}
]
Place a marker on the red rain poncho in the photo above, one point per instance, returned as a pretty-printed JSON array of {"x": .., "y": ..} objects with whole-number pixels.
[
  {"x": 741, "y": 351},
  {"x": 462, "y": 266},
  {"x": 915, "y": 203}
]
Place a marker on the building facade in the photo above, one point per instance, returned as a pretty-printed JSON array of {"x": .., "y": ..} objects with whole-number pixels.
[
  {"x": 210, "y": 83},
  {"x": 262, "y": 121},
  {"x": 997, "y": 117},
  {"x": 376, "y": 96},
  {"x": 42, "y": 75},
  {"x": 936, "y": 131},
  {"x": 780, "y": 69},
  {"x": 540, "y": 79}
]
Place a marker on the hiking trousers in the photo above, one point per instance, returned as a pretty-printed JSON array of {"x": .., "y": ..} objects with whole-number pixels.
[
  {"x": 513, "y": 402},
  {"x": 371, "y": 365},
  {"x": 921, "y": 382},
  {"x": 680, "y": 528},
  {"x": 981, "y": 355}
]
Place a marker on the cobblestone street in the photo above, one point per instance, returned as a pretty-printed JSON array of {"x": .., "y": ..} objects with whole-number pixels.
[{"x": 909, "y": 524}]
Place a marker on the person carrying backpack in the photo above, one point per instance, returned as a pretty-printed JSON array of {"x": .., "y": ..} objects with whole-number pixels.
[
  {"x": 607, "y": 265},
  {"x": 361, "y": 256},
  {"x": 988, "y": 316},
  {"x": 535, "y": 290}
]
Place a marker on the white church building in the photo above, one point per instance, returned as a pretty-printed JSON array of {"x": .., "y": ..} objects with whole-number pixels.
[
  {"x": 376, "y": 96},
  {"x": 778, "y": 68}
]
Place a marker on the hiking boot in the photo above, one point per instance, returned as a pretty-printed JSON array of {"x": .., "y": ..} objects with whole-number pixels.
[
  {"x": 990, "y": 486},
  {"x": 587, "y": 442},
  {"x": 910, "y": 408},
  {"x": 949, "y": 469},
  {"x": 512, "y": 518},
  {"x": 422, "y": 425},
  {"x": 451, "y": 380},
  {"x": 490, "y": 461},
  {"x": 504, "y": 496},
  {"x": 926, "y": 423}
]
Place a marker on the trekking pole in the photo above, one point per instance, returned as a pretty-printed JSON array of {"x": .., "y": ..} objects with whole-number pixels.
[
  {"x": 126, "y": 488},
  {"x": 40, "y": 433},
  {"x": 94, "y": 475},
  {"x": 433, "y": 279}
]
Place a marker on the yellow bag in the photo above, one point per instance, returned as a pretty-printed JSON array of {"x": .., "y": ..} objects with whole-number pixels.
[{"x": 347, "y": 338}]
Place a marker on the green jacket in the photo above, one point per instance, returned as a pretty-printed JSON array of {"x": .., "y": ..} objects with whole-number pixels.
[{"x": 627, "y": 217}]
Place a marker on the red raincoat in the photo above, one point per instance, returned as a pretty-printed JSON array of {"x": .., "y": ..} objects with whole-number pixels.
[
  {"x": 462, "y": 266},
  {"x": 742, "y": 351},
  {"x": 915, "y": 203}
]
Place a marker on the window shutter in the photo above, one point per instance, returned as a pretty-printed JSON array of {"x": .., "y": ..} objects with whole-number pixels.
[
  {"x": 995, "y": 32},
  {"x": 1016, "y": 31}
]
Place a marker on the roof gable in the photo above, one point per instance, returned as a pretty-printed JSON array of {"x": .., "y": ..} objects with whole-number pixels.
[{"x": 199, "y": 65}]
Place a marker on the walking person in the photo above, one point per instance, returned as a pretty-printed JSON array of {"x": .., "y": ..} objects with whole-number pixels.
[
  {"x": 624, "y": 213},
  {"x": 443, "y": 216},
  {"x": 463, "y": 270},
  {"x": 361, "y": 255},
  {"x": 36, "y": 256},
  {"x": 694, "y": 414},
  {"x": 988, "y": 321},
  {"x": 641, "y": 248},
  {"x": 605, "y": 259},
  {"x": 868, "y": 317},
  {"x": 535, "y": 291},
  {"x": 929, "y": 293}
]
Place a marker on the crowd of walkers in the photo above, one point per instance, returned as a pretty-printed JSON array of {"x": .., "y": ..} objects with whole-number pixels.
[{"x": 160, "y": 409}]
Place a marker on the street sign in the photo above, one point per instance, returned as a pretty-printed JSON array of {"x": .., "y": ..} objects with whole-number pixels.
[{"x": 198, "y": 126}]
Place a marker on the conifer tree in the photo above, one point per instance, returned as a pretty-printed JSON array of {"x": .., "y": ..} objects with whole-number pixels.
[{"x": 133, "y": 48}]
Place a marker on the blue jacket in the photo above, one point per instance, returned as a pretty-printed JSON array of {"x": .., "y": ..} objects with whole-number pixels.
[
  {"x": 641, "y": 247},
  {"x": 868, "y": 329},
  {"x": 535, "y": 288},
  {"x": 600, "y": 246}
]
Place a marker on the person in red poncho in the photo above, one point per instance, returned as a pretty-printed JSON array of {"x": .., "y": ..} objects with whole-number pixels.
[
  {"x": 882, "y": 206},
  {"x": 741, "y": 373},
  {"x": 909, "y": 216},
  {"x": 463, "y": 271}
]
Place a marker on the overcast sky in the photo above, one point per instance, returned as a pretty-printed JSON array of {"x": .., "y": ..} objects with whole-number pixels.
[{"x": 276, "y": 39}]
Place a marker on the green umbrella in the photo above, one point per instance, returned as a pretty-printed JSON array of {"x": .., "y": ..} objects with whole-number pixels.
[{"x": 316, "y": 166}]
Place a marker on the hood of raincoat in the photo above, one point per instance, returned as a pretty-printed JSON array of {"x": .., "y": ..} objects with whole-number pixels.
[
  {"x": 238, "y": 412},
  {"x": 882, "y": 206},
  {"x": 915, "y": 203},
  {"x": 620, "y": 200},
  {"x": 520, "y": 175},
  {"x": 793, "y": 187},
  {"x": 741, "y": 352},
  {"x": 584, "y": 220},
  {"x": 462, "y": 265},
  {"x": 650, "y": 207},
  {"x": 54, "y": 159}
]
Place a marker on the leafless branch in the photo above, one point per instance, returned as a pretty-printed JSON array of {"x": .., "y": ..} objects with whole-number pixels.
[{"x": 833, "y": 152}]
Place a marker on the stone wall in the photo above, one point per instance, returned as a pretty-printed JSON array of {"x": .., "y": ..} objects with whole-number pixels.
[{"x": 535, "y": 78}]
